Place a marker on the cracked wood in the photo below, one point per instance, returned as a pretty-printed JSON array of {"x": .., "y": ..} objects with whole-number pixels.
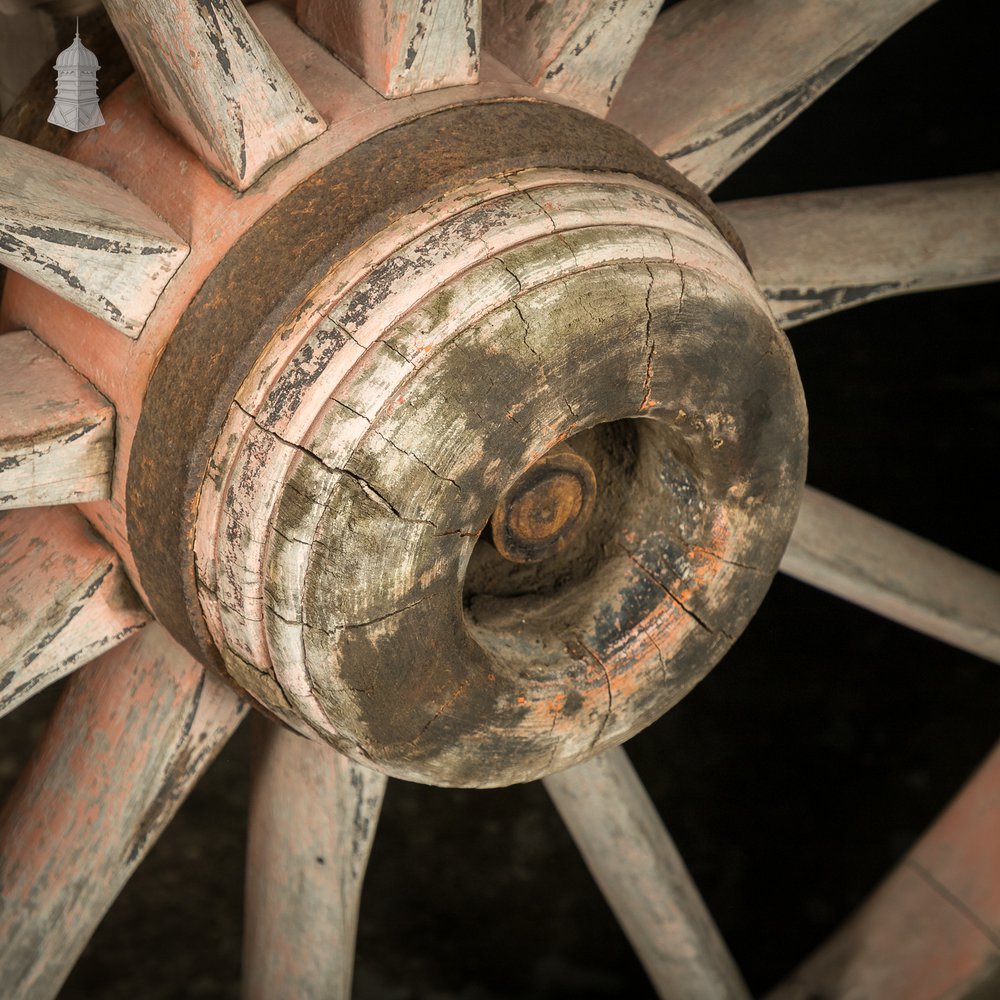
[
  {"x": 213, "y": 80},
  {"x": 576, "y": 49},
  {"x": 63, "y": 599},
  {"x": 80, "y": 235},
  {"x": 371, "y": 512},
  {"x": 56, "y": 429},
  {"x": 400, "y": 47}
]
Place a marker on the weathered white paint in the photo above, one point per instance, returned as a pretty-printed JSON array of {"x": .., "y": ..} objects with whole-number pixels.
[
  {"x": 313, "y": 815},
  {"x": 63, "y": 599},
  {"x": 400, "y": 47},
  {"x": 320, "y": 453},
  {"x": 715, "y": 79},
  {"x": 577, "y": 49},
  {"x": 213, "y": 79},
  {"x": 69, "y": 228},
  {"x": 57, "y": 432},
  {"x": 126, "y": 743},
  {"x": 257, "y": 447},
  {"x": 644, "y": 880},
  {"x": 824, "y": 251},
  {"x": 870, "y": 562}
]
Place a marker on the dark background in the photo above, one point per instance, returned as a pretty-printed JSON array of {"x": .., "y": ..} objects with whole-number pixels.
[{"x": 812, "y": 756}]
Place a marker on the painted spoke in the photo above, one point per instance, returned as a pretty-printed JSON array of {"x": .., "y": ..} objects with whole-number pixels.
[
  {"x": 715, "y": 79},
  {"x": 63, "y": 599},
  {"x": 575, "y": 49},
  {"x": 76, "y": 232},
  {"x": 400, "y": 47},
  {"x": 825, "y": 251},
  {"x": 643, "y": 878},
  {"x": 128, "y": 740},
  {"x": 860, "y": 558},
  {"x": 57, "y": 432},
  {"x": 942, "y": 900},
  {"x": 313, "y": 815},
  {"x": 214, "y": 81}
]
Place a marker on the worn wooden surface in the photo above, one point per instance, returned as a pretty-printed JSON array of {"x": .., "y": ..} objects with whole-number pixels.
[
  {"x": 932, "y": 928},
  {"x": 577, "y": 49},
  {"x": 213, "y": 80},
  {"x": 715, "y": 79},
  {"x": 546, "y": 508},
  {"x": 57, "y": 432},
  {"x": 163, "y": 172},
  {"x": 313, "y": 815},
  {"x": 642, "y": 876},
  {"x": 63, "y": 599},
  {"x": 79, "y": 234},
  {"x": 400, "y": 47},
  {"x": 824, "y": 251},
  {"x": 128, "y": 740},
  {"x": 863, "y": 559},
  {"x": 506, "y": 338}
]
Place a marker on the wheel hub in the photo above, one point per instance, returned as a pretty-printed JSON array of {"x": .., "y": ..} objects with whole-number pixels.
[{"x": 390, "y": 359}]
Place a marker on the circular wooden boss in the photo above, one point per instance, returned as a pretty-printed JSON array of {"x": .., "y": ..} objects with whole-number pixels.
[
  {"x": 545, "y": 508},
  {"x": 334, "y": 532}
]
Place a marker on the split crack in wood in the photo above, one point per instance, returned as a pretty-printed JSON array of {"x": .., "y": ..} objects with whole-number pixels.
[
  {"x": 955, "y": 901},
  {"x": 693, "y": 615}
]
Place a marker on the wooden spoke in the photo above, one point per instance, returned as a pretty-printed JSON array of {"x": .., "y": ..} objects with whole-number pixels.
[
  {"x": 57, "y": 432},
  {"x": 400, "y": 47},
  {"x": 643, "y": 878},
  {"x": 932, "y": 928},
  {"x": 63, "y": 599},
  {"x": 847, "y": 552},
  {"x": 574, "y": 48},
  {"x": 822, "y": 252},
  {"x": 715, "y": 79},
  {"x": 128, "y": 740},
  {"x": 76, "y": 232},
  {"x": 313, "y": 815},
  {"x": 214, "y": 81}
]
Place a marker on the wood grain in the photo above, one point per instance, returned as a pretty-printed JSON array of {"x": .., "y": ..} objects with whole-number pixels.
[
  {"x": 932, "y": 928},
  {"x": 870, "y": 562},
  {"x": 128, "y": 740},
  {"x": 82, "y": 236},
  {"x": 313, "y": 815},
  {"x": 57, "y": 432},
  {"x": 63, "y": 599},
  {"x": 824, "y": 251},
  {"x": 643, "y": 878},
  {"x": 715, "y": 79},
  {"x": 574, "y": 48},
  {"x": 400, "y": 47},
  {"x": 213, "y": 79}
]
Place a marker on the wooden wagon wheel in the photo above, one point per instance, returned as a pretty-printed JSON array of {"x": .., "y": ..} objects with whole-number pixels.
[{"x": 403, "y": 396}]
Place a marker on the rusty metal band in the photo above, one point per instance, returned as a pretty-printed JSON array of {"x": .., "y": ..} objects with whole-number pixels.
[{"x": 271, "y": 270}]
